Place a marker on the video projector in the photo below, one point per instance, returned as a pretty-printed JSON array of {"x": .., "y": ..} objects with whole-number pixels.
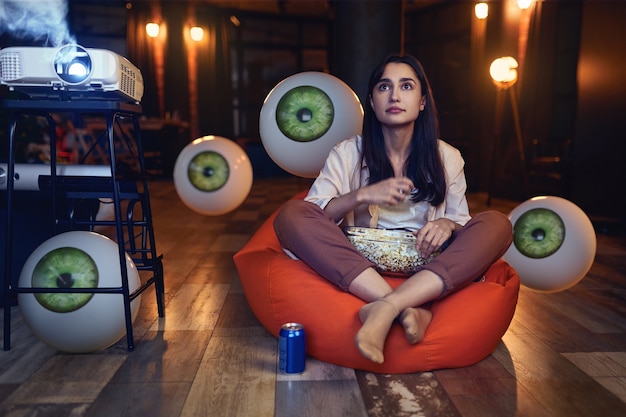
[{"x": 70, "y": 72}]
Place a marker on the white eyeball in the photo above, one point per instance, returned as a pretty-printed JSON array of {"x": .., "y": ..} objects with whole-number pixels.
[
  {"x": 76, "y": 322},
  {"x": 554, "y": 243},
  {"x": 304, "y": 116},
  {"x": 212, "y": 175}
]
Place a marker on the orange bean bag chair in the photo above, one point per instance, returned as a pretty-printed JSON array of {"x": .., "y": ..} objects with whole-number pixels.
[{"x": 466, "y": 325}]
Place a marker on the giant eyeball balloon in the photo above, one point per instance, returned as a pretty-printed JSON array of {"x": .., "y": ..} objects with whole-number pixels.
[
  {"x": 304, "y": 116},
  {"x": 77, "y": 322},
  {"x": 212, "y": 175},
  {"x": 554, "y": 243}
]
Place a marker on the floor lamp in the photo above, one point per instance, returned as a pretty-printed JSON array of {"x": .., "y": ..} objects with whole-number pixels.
[{"x": 503, "y": 72}]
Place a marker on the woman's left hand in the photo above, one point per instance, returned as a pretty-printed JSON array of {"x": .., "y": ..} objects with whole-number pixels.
[{"x": 433, "y": 235}]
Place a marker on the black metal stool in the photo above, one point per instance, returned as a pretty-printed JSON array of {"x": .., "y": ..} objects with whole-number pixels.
[{"x": 135, "y": 237}]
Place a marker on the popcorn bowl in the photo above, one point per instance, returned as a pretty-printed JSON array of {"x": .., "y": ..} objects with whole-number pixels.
[{"x": 393, "y": 251}]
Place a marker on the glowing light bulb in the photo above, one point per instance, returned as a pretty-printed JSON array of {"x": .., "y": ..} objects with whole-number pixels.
[
  {"x": 504, "y": 70},
  {"x": 152, "y": 29},
  {"x": 481, "y": 10},
  {"x": 196, "y": 33}
]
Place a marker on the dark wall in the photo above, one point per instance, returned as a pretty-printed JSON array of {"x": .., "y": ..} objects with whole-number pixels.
[
  {"x": 364, "y": 33},
  {"x": 440, "y": 37},
  {"x": 600, "y": 133}
]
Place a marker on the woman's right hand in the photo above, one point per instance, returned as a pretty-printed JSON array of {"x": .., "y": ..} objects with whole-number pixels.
[{"x": 391, "y": 191}]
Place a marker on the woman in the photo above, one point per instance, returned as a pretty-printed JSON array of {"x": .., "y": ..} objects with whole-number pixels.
[{"x": 397, "y": 175}]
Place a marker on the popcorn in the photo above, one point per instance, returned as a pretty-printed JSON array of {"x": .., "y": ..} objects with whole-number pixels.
[{"x": 392, "y": 251}]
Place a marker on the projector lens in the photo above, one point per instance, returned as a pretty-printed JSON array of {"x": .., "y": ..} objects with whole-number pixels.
[
  {"x": 78, "y": 69},
  {"x": 73, "y": 64}
]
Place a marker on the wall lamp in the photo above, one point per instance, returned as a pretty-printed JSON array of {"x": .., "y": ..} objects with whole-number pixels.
[
  {"x": 481, "y": 10},
  {"x": 196, "y": 33},
  {"x": 152, "y": 29}
]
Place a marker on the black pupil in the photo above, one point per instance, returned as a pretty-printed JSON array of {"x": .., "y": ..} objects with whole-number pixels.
[
  {"x": 304, "y": 115},
  {"x": 208, "y": 171},
  {"x": 538, "y": 234},
  {"x": 65, "y": 280}
]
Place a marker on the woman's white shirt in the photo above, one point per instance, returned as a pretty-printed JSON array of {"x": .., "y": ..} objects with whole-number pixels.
[{"x": 344, "y": 172}]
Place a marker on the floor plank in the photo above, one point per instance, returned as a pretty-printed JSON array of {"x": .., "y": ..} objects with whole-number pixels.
[
  {"x": 172, "y": 356},
  {"x": 607, "y": 368},
  {"x": 27, "y": 356},
  {"x": 319, "y": 398},
  {"x": 154, "y": 399},
  {"x": 334, "y": 387},
  {"x": 488, "y": 388},
  {"x": 237, "y": 377},
  {"x": 561, "y": 387},
  {"x": 556, "y": 327},
  {"x": 195, "y": 307},
  {"x": 64, "y": 380}
]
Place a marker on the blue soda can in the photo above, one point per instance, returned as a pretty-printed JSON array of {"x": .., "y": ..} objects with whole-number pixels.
[{"x": 292, "y": 348}]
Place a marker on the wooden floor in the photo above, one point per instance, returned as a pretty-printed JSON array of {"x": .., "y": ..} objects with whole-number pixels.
[{"x": 563, "y": 355}]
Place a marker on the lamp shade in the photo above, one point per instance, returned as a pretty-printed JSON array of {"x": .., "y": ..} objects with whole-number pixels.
[{"x": 503, "y": 71}]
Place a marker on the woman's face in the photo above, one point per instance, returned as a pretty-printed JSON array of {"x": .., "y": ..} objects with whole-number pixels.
[{"x": 397, "y": 98}]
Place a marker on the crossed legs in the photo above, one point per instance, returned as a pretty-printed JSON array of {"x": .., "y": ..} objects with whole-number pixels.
[{"x": 386, "y": 305}]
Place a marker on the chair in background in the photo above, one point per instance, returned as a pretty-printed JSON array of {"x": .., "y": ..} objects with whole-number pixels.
[{"x": 549, "y": 170}]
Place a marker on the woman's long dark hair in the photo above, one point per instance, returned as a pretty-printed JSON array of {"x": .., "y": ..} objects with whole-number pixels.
[{"x": 423, "y": 166}]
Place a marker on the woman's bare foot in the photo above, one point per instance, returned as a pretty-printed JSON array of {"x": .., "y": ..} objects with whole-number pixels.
[
  {"x": 377, "y": 318},
  {"x": 415, "y": 321}
]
